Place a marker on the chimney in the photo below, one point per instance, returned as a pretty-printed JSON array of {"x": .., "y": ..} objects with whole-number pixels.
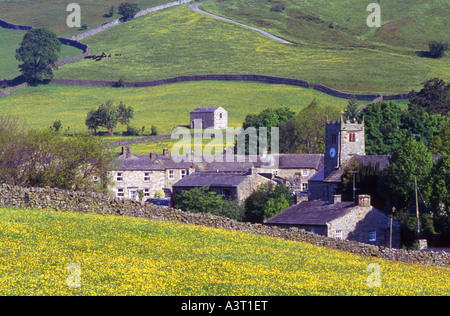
[
  {"x": 126, "y": 151},
  {"x": 301, "y": 197},
  {"x": 152, "y": 156},
  {"x": 336, "y": 199},
  {"x": 364, "y": 200},
  {"x": 165, "y": 152}
]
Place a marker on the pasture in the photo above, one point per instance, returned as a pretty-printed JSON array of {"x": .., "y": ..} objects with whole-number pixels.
[
  {"x": 129, "y": 256},
  {"x": 178, "y": 41},
  {"x": 165, "y": 106}
]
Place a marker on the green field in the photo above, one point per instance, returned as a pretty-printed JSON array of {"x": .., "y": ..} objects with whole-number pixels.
[
  {"x": 179, "y": 41},
  {"x": 165, "y": 106},
  {"x": 53, "y": 14},
  {"x": 405, "y": 24},
  {"x": 10, "y": 40},
  {"x": 128, "y": 256}
]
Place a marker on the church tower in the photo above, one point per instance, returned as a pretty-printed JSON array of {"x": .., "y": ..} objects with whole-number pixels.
[{"x": 343, "y": 140}]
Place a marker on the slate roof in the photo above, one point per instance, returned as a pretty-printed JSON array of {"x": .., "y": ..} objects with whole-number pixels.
[
  {"x": 143, "y": 162},
  {"x": 311, "y": 213},
  {"x": 163, "y": 162},
  {"x": 213, "y": 179},
  {"x": 206, "y": 109}
]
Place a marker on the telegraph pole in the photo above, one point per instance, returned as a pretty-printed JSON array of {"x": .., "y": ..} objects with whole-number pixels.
[{"x": 417, "y": 207}]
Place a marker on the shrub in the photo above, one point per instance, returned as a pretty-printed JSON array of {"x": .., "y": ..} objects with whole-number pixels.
[{"x": 437, "y": 48}]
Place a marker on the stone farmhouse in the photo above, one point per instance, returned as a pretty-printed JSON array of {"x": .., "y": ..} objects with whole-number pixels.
[
  {"x": 209, "y": 117},
  {"x": 341, "y": 220},
  {"x": 153, "y": 174}
]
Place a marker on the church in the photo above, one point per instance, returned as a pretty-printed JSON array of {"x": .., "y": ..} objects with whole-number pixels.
[{"x": 344, "y": 143}]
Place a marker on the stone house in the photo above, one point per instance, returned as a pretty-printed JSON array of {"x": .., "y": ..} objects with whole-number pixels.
[
  {"x": 341, "y": 220},
  {"x": 152, "y": 174},
  {"x": 209, "y": 117},
  {"x": 295, "y": 170},
  {"x": 235, "y": 186}
]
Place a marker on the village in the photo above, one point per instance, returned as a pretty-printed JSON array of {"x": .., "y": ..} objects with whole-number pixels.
[{"x": 318, "y": 208}]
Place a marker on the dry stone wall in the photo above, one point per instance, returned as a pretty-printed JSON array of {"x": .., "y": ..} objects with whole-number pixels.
[{"x": 62, "y": 200}]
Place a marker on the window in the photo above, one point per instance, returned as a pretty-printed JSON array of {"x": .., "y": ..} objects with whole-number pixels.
[
  {"x": 146, "y": 176},
  {"x": 304, "y": 173},
  {"x": 171, "y": 174},
  {"x": 304, "y": 186},
  {"x": 95, "y": 179},
  {"x": 220, "y": 115},
  {"x": 119, "y": 177},
  {"x": 147, "y": 192},
  {"x": 183, "y": 173},
  {"x": 120, "y": 192},
  {"x": 352, "y": 137},
  {"x": 339, "y": 234},
  {"x": 227, "y": 193},
  {"x": 334, "y": 138},
  {"x": 373, "y": 235}
]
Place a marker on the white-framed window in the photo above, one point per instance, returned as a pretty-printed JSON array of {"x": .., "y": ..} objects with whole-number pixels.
[
  {"x": 95, "y": 179},
  {"x": 119, "y": 176},
  {"x": 304, "y": 172},
  {"x": 146, "y": 176},
  {"x": 120, "y": 192},
  {"x": 171, "y": 174},
  {"x": 184, "y": 173},
  {"x": 304, "y": 186},
  {"x": 146, "y": 192},
  {"x": 373, "y": 235},
  {"x": 275, "y": 172},
  {"x": 339, "y": 235}
]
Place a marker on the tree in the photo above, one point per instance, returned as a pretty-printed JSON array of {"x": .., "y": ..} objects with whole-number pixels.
[
  {"x": 107, "y": 115},
  {"x": 352, "y": 112},
  {"x": 45, "y": 158},
  {"x": 383, "y": 128},
  {"x": 434, "y": 97},
  {"x": 128, "y": 10},
  {"x": 267, "y": 201},
  {"x": 201, "y": 200},
  {"x": 38, "y": 53},
  {"x": 437, "y": 48},
  {"x": 410, "y": 161},
  {"x": 267, "y": 118},
  {"x": 440, "y": 145},
  {"x": 305, "y": 131}
]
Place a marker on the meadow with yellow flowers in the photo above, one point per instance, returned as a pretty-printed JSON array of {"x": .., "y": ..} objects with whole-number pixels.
[{"x": 64, "y": 253}]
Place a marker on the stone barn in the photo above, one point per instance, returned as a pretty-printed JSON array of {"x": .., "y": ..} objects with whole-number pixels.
[{"x": 209, "y": 117}]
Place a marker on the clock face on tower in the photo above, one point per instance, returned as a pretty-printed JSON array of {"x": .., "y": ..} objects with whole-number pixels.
[{"x": 332, "y": 152}]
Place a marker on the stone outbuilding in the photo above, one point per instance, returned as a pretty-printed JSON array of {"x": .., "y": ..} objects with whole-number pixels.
[
  {"x": 209, "y": 117},
  {"x": 341, "y": 220}
]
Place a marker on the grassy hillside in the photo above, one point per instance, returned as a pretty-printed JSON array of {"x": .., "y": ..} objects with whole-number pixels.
[
  {"x": 406, "y": 24},
  {"x": 165, "y": 106},
  {"x": 128, "y": 256},
  {"x": 53, "y": 14},
  {"x": 178, "y": 41},
  {"x": 10, "y": 40}
]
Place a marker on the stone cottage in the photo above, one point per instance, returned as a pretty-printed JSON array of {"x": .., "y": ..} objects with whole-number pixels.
[
  {"x": 209, "y": 117},
  {"x": 152, "y": 174},
  {"x": 341, "y": 220}
]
